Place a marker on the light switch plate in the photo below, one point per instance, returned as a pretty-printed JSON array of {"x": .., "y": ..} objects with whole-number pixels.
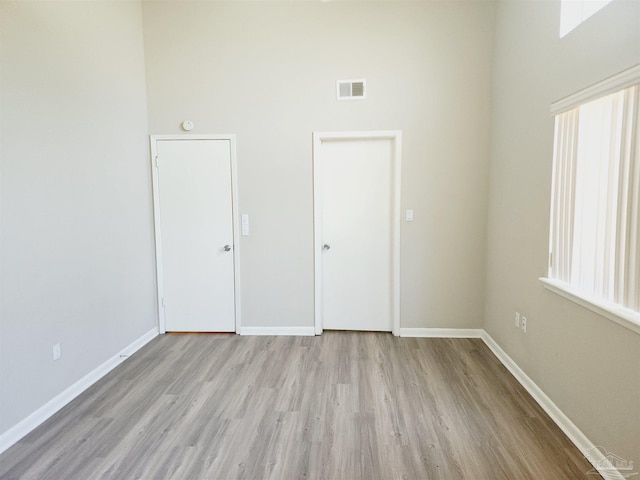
[
  {"x": 409, "y": 216},
  {"x": 57, "y": 351},
  {"x": 245, "y": 224}
]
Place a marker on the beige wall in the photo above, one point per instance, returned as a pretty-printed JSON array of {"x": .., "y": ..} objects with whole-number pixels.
[
  {"x": 77, "y": 244},
  {"x": 267, "y": 72},
  {"x": 588, "y": 365},
  {"x": 77, "y": 252}
]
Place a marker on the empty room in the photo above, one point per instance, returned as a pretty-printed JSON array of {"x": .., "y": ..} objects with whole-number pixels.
[{"x": 320, "y": 239}]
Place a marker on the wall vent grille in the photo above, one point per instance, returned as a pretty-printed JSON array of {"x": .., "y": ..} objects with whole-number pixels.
[{"x": 352, "y": 89}]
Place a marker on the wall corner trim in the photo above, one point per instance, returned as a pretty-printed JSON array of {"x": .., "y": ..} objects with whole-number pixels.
[
  {"x": 35, "y": 419},
  {"x": 579, "y": 439},
  {"x": 273, "y": 331}
]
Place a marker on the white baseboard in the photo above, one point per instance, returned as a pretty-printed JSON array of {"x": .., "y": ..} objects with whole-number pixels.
[
  {"x": 442, "y": 332},
  {"x": 273, "y": 331},
  {"x": 35, "y": 419},
  {"x": 579, "y": 439}
]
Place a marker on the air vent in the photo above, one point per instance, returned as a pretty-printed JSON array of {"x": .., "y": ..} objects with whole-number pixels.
[{"x": 351, "y": 89}]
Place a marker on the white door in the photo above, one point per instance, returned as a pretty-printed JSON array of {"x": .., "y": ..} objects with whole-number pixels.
[
  {"x": 356, "y": 232},
  {"x": 195, "y": 235}
]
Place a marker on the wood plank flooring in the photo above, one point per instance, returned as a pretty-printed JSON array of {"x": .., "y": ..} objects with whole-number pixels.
[{"x": 341, "y": 406}]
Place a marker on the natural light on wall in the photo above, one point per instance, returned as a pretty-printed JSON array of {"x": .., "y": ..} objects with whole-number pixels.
[{"x": 574, "y": 12}]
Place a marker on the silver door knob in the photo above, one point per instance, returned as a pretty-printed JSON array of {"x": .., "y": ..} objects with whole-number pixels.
[
  {"x": 227, "y": 248},
  {"x": 326, "y": 246}
]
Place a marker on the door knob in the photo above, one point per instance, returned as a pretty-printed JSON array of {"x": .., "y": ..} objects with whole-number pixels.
[
  {"x": 227, "y": 248},
  {"x": 326, "y": 246}
]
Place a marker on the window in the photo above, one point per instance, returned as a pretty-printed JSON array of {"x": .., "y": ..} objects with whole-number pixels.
[
  {"x": 595, "y": 206},
  {"x": 574, "y": 12}
]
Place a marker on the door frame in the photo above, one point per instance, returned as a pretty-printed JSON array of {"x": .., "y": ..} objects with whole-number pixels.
[
  {"x": 318, "y": 138},
  {"x": 154, "y": 140}
]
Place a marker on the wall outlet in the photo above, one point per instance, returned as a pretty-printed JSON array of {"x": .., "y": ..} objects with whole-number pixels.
[
  {"x": 517, "y": 320},
  {"x": 57, "y": 351},
  {"x": 523, "y": 321}
]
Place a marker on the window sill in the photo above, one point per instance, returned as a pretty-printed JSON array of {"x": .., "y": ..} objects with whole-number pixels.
[{"x": 622, "y": 316}]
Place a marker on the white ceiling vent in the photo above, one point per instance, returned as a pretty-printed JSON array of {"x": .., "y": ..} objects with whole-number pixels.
[{"x": 352, "y": 89}]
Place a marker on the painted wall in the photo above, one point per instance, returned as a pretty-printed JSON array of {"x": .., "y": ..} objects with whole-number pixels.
[
  {"x": 587, "y": 364},
  {"x": 77, "y": 238},
  {"x": 266, "y": 71},
  {"x": 77, "y": 251}
]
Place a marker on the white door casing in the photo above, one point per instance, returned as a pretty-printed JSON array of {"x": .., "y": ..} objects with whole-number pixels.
[
  {"x": 357, "y": 230},
  {"x": 196, "y": 232}
]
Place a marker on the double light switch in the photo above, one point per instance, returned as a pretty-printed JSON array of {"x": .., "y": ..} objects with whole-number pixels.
[{"x": 245, "y": 224}]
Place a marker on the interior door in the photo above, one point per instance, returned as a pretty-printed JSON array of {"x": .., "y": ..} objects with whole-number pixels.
[
  {"x": 196, "y": 235},
  {"x": 356, "y": 233}
]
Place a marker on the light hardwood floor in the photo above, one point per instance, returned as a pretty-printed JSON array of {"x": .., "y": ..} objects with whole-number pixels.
[{"x": 342, "y": 406}]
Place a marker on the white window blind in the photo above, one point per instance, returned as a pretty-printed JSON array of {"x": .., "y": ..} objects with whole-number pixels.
[{"x": 595, "y": 212}]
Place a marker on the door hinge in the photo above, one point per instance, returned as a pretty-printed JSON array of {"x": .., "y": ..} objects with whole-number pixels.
[
  {"x": 162, "y": 302},
  {"x": 156, "y": 160},
  {"x": 550, "y": 259}
]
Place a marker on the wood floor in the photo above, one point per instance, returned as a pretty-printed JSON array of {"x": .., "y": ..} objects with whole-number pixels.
[{"x": 342, "y": 406}]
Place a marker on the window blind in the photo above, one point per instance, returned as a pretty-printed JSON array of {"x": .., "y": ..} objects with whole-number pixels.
[{"x": 595, "y": 211}]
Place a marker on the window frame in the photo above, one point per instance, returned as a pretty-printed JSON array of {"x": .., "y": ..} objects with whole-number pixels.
[{"x": 625, "y": 317}]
